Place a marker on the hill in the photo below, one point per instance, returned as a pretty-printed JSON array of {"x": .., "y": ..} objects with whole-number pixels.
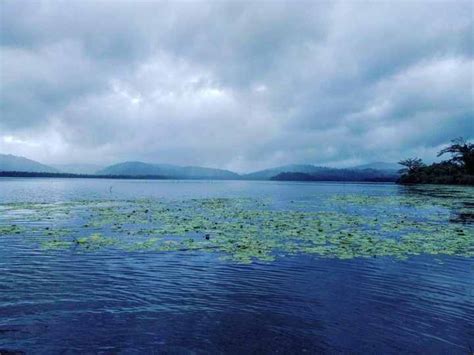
[
  {"x": 168, "y": 170},
  {"x": 10, "y": 162},
  {"x": 329, "y": 174},
  {"x": 293, "y": 172},
  {"x": 267, "y": 174}
]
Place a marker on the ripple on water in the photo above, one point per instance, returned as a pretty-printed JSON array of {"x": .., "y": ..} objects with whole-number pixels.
[{"x": 115, "y": 300}]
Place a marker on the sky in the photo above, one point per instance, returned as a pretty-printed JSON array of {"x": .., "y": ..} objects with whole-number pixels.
[{"x": 235, "y": 84}]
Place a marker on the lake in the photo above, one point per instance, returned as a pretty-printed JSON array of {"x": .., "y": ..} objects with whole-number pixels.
[{"x": 125, "y": 266}]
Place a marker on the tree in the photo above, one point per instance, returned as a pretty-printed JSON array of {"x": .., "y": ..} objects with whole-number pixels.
[
  {"x": 462, "y": 153},
  {"x": 412, "y": 165}
]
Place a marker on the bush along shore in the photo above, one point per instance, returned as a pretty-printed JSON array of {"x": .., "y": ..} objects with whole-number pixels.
[{"x": 458, "y": 170}]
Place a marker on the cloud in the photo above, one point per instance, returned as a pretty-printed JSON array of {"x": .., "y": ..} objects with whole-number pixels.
[{"x": 234, "y": 84}]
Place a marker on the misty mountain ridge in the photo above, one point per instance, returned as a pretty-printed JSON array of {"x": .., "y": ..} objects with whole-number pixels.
[
  {"x": 296, "y": 172},
  {"x": 292, "y": 168},
  {"x": 9, "y": 162},
  {"x": 168, "y": 170},
  {"x": 305, "y": 172},
  {"x": 332, "y": 174}
]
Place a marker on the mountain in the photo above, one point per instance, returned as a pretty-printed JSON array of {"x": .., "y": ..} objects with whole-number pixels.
[
  {"x": 379, "y": 166},
  {"x": 10, "y": 162},
  {"x": 294, "y": 168},
  {"x": 77, "y": 168},
  {"x": 181, "y": 172},
  {"x": 368, "y": 172},
  {"x": 378, "y": 171},
  {"x": 329, "y": 174}
]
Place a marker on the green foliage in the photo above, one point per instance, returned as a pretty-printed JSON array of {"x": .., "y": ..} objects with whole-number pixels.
[
  {"x": 412, "y": 166},
  {"x": 462, "y": 154},
  {"x": 458, "y": 170}
]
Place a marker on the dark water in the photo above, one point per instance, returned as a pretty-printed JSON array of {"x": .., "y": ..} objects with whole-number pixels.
[{"x": 112, "y": 301}]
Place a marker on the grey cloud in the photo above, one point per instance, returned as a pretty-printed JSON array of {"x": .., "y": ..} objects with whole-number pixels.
[{"x": 234, "y": 84}]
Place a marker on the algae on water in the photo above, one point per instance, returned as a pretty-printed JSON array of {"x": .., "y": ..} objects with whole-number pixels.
[{"x": 245, "y": 230}]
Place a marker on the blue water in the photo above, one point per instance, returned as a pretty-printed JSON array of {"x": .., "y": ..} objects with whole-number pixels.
[{"x": 112, "y": 301}]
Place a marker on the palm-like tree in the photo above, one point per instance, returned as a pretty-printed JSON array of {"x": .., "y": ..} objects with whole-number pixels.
[
  {"x": 411, "y": 165},
  {"x": 462, "y": 153}
]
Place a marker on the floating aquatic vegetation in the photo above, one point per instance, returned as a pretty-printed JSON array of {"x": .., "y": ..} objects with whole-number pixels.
[
  {"x": 244, "y": 230},
  {"x": 56, "y": 244},
  {"x": 94, "y": 241},
  {"x": 10, "y": 229}
]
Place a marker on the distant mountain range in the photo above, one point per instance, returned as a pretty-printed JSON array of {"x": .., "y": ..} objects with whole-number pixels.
[
  {"x": 369, "y": 172},
  {"x": 179, "y": 172},
  {"x": 330, "y": 174},
  {"x": 379, "y": 171},
  {"x": 10, "y": 162},
  {"x": 267, "y": 174}
]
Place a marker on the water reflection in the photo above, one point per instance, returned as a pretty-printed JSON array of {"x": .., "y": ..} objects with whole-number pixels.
[{"x": 459, "y": 199}]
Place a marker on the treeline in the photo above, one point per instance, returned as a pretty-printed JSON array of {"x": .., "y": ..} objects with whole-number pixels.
[
  {"x": 82, "y": 176},
  {"x": 457, "y": 170}
]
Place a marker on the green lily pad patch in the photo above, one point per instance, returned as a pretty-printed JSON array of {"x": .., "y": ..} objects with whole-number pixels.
[{"x": 246, "y": 230}]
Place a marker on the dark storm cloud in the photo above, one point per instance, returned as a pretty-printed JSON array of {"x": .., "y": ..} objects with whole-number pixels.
[{"x": 234, "y": 84}]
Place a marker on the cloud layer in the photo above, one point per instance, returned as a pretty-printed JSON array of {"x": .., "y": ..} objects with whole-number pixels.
[{"x": 239, "y": 85}]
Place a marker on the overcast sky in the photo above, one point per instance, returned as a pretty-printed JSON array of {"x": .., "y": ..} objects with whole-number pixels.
[{"x": 238, "y": 85}]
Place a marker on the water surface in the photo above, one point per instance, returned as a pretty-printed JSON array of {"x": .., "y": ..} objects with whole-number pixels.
[{"x": 115, "y": 266}]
